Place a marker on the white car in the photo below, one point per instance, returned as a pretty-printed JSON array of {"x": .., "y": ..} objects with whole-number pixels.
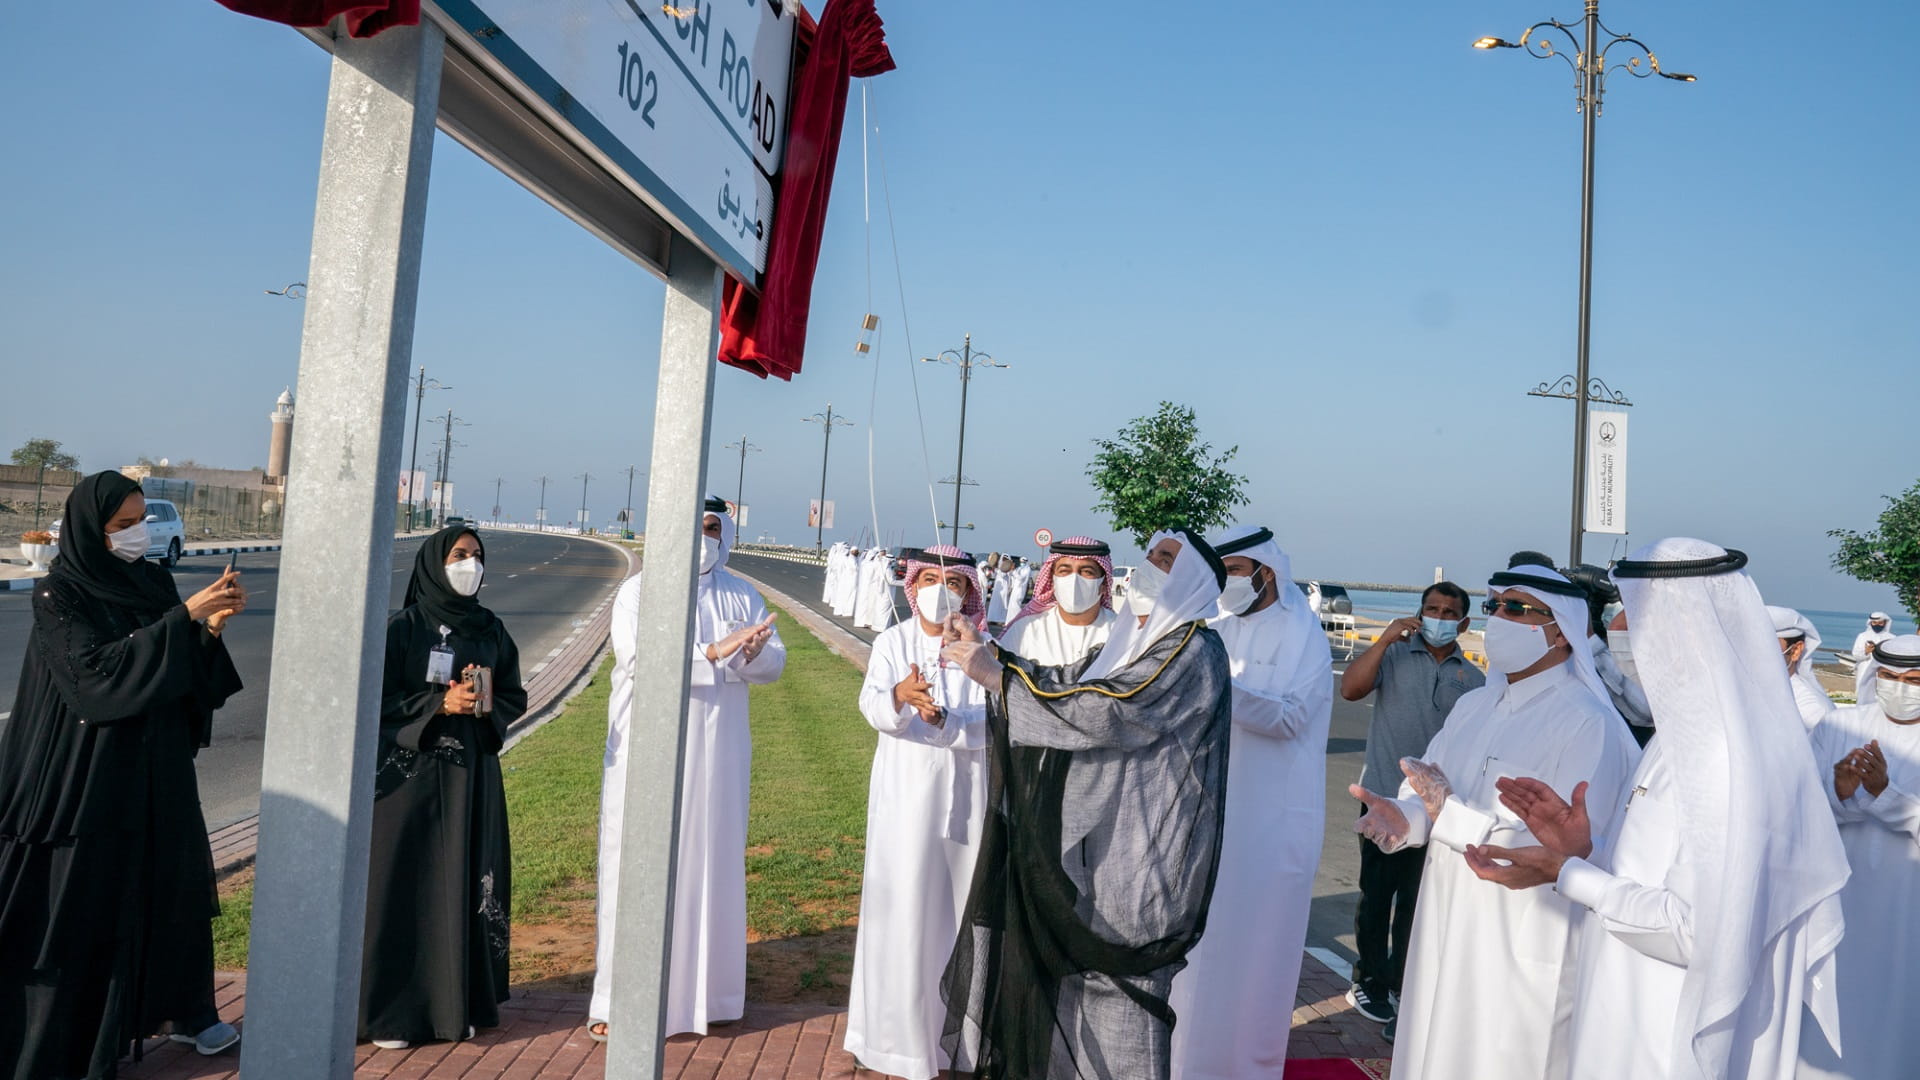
[
  {"x": 1122, "y": 576},
  {"x": 166, "y": 531}
]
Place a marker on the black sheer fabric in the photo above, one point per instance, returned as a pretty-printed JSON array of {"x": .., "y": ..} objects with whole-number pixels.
[
  {"x": 106, "y": 878},
  {"x": 1097, "y": 862}
]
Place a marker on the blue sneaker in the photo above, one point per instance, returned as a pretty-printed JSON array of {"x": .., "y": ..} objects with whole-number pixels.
[{"x": 217, "y": 1039}]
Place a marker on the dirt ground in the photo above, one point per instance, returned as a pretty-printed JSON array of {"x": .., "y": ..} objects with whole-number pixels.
[{"x": 814, "y": 969}]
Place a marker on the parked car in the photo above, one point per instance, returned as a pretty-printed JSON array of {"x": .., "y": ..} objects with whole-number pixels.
[
  {"x": 1326, "y": 599},
  {"x": 166, "y": 531},
  {"x": 1121, "y": 576},
  {"x": 452, "y": 520}
]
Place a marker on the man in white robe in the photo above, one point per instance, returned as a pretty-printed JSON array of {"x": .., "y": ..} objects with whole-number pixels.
[
  {"x": 1235, "y": 998},
  {"x": 1484, "y": 965},
  {"x": 925, "y": 803},
  {"x": 1000, "y": 603},
  {"x": 1798, "y": 640},
  {"x": 1071, "y": 612},
  {"x": 831, "y": 581},
  {"x": 1878, "y": 630},
  {"x": 735, "y": 646},
  {"x": 1711, "y": 890},
  {"x": 876, "y": 592},
  {"x": 1872, "y": 751},
  {"x": 847, "y": 590}
]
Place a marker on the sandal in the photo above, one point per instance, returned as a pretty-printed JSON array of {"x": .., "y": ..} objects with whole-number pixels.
[{"x": 599, "y": 1035}]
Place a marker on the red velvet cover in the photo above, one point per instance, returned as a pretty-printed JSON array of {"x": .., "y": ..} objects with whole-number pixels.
[
  {"x": 365, "y": 18},
  {"x": 767, "y": 333}
]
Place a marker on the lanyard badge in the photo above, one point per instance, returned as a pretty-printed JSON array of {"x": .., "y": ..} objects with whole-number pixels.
[{"x": 440, "y": 660}]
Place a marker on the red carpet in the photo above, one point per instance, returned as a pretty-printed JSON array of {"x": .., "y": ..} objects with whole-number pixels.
[{"x": 1335, "y": 1069}]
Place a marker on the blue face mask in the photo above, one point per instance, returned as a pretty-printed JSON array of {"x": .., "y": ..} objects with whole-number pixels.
[{"x": 1439, "y": 632}]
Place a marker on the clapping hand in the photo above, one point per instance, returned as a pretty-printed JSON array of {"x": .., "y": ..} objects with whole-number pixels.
[
  {"x": 1869, "y": 764},
  {"x": 752, "y": 638},
  {"x": 1383, "y": 823},
  {"x": 1515, "y": 868},
  {"x": 1429, "y": 783},
  {"x": 916, "y": 693},
  {"x": 1563, "y": 828}
]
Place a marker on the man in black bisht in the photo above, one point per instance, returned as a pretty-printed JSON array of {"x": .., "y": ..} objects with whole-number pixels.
[
  {"x": 1097, "y": 857},
  {"x": 434, "y": 964},
  {"x": 106, "y": 877}
]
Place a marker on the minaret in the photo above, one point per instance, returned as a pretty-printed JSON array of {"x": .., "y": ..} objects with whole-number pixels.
[{"x": 282, "y": 443}]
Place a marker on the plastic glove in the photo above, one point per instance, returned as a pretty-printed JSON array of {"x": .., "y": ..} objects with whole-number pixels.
[
  {"x": 977, "y": 660},
  {"x": 1383, "y": 823},
  {"x": 1429, "y": 783}
]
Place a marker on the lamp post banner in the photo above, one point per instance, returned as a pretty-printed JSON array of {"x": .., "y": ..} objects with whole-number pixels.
[
  {"x": 814, "y": 511},
  {"x": 1607, "y": 472},
  {"x": 688, "y": 101}
]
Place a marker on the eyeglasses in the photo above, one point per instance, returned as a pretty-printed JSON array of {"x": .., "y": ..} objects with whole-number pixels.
[{"x": 1515, "y": 608}]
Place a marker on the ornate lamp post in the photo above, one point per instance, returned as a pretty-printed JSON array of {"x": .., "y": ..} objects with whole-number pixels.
[{"x": 966, "y": 360}]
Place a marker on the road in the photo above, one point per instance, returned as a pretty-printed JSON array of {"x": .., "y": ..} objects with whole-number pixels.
[
  {"x": 1336, "y": 885},
  {"x": 540, "y": 585}
]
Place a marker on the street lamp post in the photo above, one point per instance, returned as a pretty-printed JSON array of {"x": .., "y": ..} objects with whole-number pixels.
[
  {"x": 627, "y": 511},
  {"x": 584, "y": 477},
  {"x": 740, "y": 489},
  {"x": 497, "y": 481},
  {"x": 540, "y": 516},
  {"x": 1589, "y": 64},
  {"x": 421, "y": 386},
  {"x": 827, "y": 422},
  {"x": 966, "y": 360},
  {"x": 446, "y": 455}
]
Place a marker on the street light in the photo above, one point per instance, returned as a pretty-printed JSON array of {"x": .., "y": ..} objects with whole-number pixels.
[
  {"x": 1588, "y": 59},
  {"x": 966, "y": 360},
  {"x": 627, "y": 512},
  {"x": 540, "y": 515},
  {"x": 740, "y": 491},
  {"x": 422, "y": 385},
  {"x": 583, "y": 478},
  {"x": 827, "y": 422},
  {"x": 295, "y": 291},
  {"x": 446, "y": 455}
]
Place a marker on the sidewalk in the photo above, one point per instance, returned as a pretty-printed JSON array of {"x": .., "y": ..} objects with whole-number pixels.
[{"x": 543, "y": 1036}]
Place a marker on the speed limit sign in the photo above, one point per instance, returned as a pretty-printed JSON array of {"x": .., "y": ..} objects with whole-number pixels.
[{"x": 1042, "y": 537}]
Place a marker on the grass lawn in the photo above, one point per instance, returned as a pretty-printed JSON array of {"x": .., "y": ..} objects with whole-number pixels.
[{"x": 805, "y": 834}]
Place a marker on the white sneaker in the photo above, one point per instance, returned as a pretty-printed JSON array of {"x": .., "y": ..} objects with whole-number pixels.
[{"x": 392, "y": 1044}]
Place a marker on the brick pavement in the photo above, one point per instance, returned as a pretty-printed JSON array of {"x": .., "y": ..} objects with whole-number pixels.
[{"x": 543, "y": 1036}]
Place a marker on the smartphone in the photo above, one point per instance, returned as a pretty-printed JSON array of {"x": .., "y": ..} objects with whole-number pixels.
[
  {"x": 233, "y": 560},
  {"x": 481, "y": 680}
]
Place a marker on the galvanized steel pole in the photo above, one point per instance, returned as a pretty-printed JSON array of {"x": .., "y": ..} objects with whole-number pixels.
[{"x": 323, "y": 704}]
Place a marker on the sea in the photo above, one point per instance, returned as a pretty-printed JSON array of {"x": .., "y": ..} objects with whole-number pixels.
[{"x": 1837, "y": 628}]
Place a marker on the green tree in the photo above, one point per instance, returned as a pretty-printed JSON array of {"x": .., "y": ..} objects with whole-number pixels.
[
  {"x": 1156, "y": 473},
  {"x": 45, "y": 452},
  {"x": 1889, "y": 554}
]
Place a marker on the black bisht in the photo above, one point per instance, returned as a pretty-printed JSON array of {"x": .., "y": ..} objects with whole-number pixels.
[
  {"x": 106, "y": 877},
  {"x": 1097, "y": 861}
]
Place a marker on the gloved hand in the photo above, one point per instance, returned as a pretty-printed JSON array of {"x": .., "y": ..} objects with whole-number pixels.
[
  {"x": 1429, "y": 783},
  {"x": 978, "y": 660},
  {"x": 1383, "y": 823}
]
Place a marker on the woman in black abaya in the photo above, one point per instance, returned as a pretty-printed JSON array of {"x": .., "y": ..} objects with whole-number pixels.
[
  {"x": 438, "y": 884},
  {"x": 106, "y": 877}
]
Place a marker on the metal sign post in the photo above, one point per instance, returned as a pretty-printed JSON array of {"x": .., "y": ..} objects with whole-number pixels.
[{"x": 323, "y": 705}]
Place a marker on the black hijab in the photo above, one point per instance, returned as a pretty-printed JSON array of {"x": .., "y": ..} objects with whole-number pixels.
[
  {"x": 87, "y": 561},
  {"x": 429, "y": 589}
]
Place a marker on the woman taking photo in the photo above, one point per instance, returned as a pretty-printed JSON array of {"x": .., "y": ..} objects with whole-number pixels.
[
  {"x": 438, "y": 883},
  {"x": 106, "y": 877}
]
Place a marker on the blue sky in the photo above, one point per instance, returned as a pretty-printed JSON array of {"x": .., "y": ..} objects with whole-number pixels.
[{"x": 1349, "y": 243}]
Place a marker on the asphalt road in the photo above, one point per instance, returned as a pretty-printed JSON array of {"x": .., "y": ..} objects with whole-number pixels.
[
  {"x": 1336, "y": 885},
  {"x": 541, "y": 586}
]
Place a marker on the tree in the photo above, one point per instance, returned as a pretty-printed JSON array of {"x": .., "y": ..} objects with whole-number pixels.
[
  {"x": 46, "y": 453},
  {"x": 1889, "y": 554},
  {"x": 1156, "y": 473}
]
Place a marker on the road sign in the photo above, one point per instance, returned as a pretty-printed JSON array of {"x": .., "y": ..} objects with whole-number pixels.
[
  {"x": 1042, "y": 537},
  {"x": 689, "y": 102}
]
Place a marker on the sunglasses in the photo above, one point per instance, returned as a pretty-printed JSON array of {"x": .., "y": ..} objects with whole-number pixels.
[{"x": 1515, "y": 608}]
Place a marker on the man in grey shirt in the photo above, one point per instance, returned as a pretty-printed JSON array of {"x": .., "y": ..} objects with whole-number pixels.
[{"x": 1419, "y": 672}]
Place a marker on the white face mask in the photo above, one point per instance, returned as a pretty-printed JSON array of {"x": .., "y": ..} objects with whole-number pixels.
[
  {"x": 1514, "y": 646},
  {"x": 936, "y": 602},
  {"x": 1238, "y": 594},
  {"x": 709, "y": 553},
  {"x": 1899, "y": 700},
  {"x": 1143, "y": 588},
  {"x": 129, "y": 543},
  {"x": 464, "y": 576},
  {"x": 1621, "y": 646},
  {"x": 1076, "y": 594}
]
